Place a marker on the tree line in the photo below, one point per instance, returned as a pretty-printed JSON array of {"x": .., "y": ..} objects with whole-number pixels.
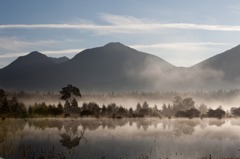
[
  {"x": 219, "y": 95},
  {"x": 180, "y": 107}
]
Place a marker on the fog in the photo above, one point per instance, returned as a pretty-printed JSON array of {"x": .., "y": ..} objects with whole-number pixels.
[
  {"x": 168, "y": 78},
  {"x": 164, "y": 82},
  {"x": 212, "y": 99}
]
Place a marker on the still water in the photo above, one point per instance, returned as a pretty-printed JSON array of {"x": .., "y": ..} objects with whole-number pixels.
[{"x": 115, "y": 139}]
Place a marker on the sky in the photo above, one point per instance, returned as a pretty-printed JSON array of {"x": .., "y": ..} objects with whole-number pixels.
[{"x": 183, "y": 32}]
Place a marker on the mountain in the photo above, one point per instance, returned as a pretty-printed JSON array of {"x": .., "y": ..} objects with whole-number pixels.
[
  {"x": 221, "y": 71},
  {"x": 32, "y": 59},
  {"x": 107, "y": 68},
  {"x": 25, "y": 70},
  {"x": 59, "y": 60},
  {"x": 226, "y": 62},
  {"x": 116, "y": 67}
]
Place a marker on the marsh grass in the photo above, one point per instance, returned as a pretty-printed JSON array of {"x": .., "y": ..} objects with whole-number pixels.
[{"x": 211, "y": 157}]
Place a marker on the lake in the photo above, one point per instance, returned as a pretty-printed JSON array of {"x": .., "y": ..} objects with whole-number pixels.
[{"x": 91, "y": 138}]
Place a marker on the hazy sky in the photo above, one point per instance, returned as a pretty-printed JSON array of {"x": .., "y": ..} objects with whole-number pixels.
[{"x": 181, "y": 32}]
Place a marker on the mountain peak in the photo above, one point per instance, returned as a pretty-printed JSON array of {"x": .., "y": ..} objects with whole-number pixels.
[
  {"x": 35, "y": 53},
  {"x": 112, "y": 44},
  {"x": 116, "y": 46},
  {"x": 33, "y": 58}
]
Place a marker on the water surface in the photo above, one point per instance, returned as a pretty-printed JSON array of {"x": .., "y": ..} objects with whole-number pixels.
[{"x": 123, "y": 138}]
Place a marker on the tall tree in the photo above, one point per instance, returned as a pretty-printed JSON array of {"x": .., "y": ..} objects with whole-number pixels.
[
  {"x": 69, "y": 93},
  {"x": 3, "y": 102},
  {"x": 74, "y": 103}
]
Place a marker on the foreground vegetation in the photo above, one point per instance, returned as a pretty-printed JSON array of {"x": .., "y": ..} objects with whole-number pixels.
[
  {"x": 210, "y": 157},
  {"x": 10, "y": 106}
]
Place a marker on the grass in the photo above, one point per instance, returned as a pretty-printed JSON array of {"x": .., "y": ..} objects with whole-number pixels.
[{"x": 211, "y": 157}]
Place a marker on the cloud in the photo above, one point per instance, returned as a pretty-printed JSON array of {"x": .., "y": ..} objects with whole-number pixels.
[
  {"x": 120, "y": 20},
  {"x": 164, "y": 77},
  {"x": 11, "y": 55},
  {"x": 181, "y": 46},
  {"x": 15, "y": 44},
  {"x": 124, "y": 24}
]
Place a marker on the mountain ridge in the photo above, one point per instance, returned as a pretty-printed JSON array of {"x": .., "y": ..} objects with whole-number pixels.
[{"x": 115, "y": 66}]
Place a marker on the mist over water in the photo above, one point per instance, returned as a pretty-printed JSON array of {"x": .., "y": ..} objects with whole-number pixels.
[{"x": 125, "y": 138}]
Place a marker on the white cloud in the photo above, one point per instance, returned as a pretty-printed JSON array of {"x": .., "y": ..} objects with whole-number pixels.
[
  {"x": 15, "y": 44},
  {"x": 11, "y": 55},
  {"x": 181, "y": 46},
  {"x": 124, "y": 24},
  {"x": 120, "y": 20}
]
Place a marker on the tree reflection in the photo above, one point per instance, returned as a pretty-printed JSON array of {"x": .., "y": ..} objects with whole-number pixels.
[
  {"x": 10, "y": 128},
  {"x": 216, "y": 122},
  {"x": 45, "y": 123},
  {"x": 69, "y": 142},
  {"x": 186, "y": 127},
  {"x": 179, "y": 126}
]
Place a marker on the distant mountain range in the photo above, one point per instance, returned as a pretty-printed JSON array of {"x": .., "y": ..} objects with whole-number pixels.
[{"x": 116, "y": 67}]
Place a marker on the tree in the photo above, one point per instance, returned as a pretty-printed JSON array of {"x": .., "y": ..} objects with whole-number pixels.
[
  {"x": 218, "y": 113},
  {"x": 203, "y": 109},
  {"x": 74, "y": 103},
  {"x": 235, "y": 111},
  {"x": 5, "y": 106},
  {"x": 138, "y": 108},
  {"x": 67, "y": 105},
  {"x": 30, "y": 110},
  {"x": 188, "y": 103},
  {"x": 145, "y": 109},
  {"x": 190, "y": 113},
  {"x": 104, "y": 109},
  {"x": 155, "y": 111},
  {"x": 13, "y": 105},
  {"x": 60, "y": 106},
  {"x": 180, "y": 104},
  {"x": 177, "y": 101},
  {"x": 130, "y": 111},
  {"x": 2, "y": 94},
  {"x": 69, "y": 93},
  {"x": 3, "y": 98}
]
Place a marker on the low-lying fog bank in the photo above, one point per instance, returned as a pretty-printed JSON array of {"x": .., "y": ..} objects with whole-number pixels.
[{"x": 212, "y": 99}]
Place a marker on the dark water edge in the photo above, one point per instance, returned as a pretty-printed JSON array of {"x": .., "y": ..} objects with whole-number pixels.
[{"x": 124, "y": 138}]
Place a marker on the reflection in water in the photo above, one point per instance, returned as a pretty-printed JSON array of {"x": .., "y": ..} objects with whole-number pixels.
[
  {"x": 71, "y": 125},
  {"x": 66, "y": 140},
  {"x": 216, "y": 122},
  {"x": 125, "y": 138}
]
